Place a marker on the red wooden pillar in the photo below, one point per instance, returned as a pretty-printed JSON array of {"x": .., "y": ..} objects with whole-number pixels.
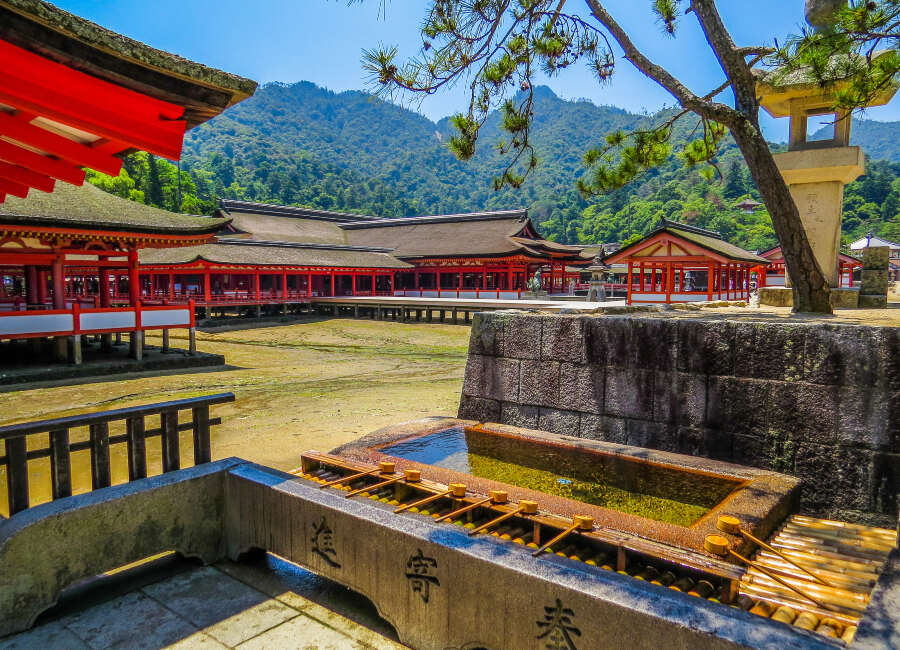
[
  {"x": 710, "y": 280},
  {"x": 459, "y": 284},
  {"x": 134, "y": 279},
  {"x": 103, "y": 287},
  {"x": 31, "y": 285},
  {"x": 207, "y": 290},
  {"x": 670, "y": 280},
  {"x": 629, "y": 283},
  {"x": 374, "y": 277},
  {"x": 309, "y": 285},
  {"x": 333, "y": 288},
  {"x": 284, "y": 291},
  {"x": 171, "y": 286},
  {"x": 59, "y": 283},
  {"x": 256, "y": 285}
]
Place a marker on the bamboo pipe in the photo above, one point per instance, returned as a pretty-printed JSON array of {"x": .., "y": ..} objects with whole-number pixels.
[
  {"x": 579, "y": 522},
  {"x": 525, "y": 507},
  {"x": 719, "y": 545},
  {"x": 384, "y": 467},
  {"x": 410, "y": 475},
  {"x": 496, "y": 496},
  {"x": 457, "y": 490},
  {"x": 729, "y": 524}
]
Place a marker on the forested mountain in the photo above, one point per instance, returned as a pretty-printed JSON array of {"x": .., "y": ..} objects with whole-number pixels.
[{"x": 304, "y": 145}]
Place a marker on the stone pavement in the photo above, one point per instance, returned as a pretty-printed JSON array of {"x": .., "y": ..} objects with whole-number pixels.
[{"x": 267, "y": 603}]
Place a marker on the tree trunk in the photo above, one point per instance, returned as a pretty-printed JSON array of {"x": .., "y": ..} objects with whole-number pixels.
[{"x": 811, "y": 291}]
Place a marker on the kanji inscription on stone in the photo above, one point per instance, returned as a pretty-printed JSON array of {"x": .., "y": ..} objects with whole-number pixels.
[
  {"x": 419, "y": 573},
  {"x": 558, "y": 628},
  {"x": 323, "y": 543}
]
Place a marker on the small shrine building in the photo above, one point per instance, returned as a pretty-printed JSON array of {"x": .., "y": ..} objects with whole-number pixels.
[
  {"x": 681, "y": 263},
  {"x": 775, "y": 275}
]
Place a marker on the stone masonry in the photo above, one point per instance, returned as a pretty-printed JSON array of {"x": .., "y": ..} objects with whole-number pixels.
[{"x": 819, "y": 401}]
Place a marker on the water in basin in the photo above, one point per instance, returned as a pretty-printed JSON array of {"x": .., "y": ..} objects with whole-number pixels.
[{"x": 626, "y": 484}]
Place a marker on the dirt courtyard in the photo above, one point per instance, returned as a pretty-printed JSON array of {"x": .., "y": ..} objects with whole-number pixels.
[{"x": 311, "y": 385}]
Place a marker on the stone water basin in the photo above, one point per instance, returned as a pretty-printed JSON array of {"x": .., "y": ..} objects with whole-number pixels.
[{"x": 668, "y": 498}]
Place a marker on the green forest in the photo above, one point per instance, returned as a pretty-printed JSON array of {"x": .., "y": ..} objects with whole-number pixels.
[{"x": 303, "y": 145}]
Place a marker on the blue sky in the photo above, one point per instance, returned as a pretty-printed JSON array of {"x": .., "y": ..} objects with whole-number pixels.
[{"x": 321, "y": 41}]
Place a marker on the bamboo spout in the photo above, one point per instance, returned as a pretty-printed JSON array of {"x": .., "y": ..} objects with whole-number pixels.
[
  {"x": 409, "y": 475},
  {"x": 525, "y": 507},
  {"x": 579, "y": 522},
  {"x": 384, "y": 467},
  {"x": 496, "y": 496},
  {"x": 732, "y": 525},
  {"x": 457, "y": 490}
]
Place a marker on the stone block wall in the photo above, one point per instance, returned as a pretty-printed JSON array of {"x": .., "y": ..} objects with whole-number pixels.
[{"x": 819, "y": 401}]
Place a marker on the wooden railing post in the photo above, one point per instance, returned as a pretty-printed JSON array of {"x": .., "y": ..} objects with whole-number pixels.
[
  {"x": 16, "y": 474},
  {"x": 202, "y": 453},
  {"x": 137, "y": 448},
  {"x": 60, "y": 464},
  {"x": 100, "y": 474},
  {"x": 171, "y": 452}
]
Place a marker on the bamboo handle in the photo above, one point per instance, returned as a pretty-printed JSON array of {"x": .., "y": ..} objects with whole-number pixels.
[
  {"x": 464, "y": 509},
  {"x": 566, "y": 532},
  {"x": 776, "y": 578},
  {"x": 425, "y": 501},
  {"x": 352, "y": 477}
]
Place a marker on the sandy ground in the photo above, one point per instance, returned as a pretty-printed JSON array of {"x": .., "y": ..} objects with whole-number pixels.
[{"x": 312, "y": 385}]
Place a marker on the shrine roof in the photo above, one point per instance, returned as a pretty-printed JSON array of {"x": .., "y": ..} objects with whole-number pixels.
[
  {"x": 82, "y": 45},
  {"x": 242, "y": 252},
  {"x": 89, "y": 207},
  {"x": 707, "y": 239}
]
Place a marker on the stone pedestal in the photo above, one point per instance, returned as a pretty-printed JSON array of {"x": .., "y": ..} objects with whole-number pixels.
[
  {"x": 816, "y": 178},
  {"x": 875, "y": 282}
]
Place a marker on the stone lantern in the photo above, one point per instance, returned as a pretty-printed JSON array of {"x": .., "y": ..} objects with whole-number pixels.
[{"x": 816, "y": 170}]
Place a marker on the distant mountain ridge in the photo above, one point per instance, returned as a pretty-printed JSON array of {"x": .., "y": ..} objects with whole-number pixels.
[{"x": 305, "y": 145}]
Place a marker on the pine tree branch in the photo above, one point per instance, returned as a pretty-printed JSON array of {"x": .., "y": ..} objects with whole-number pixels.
[{"x": 706, "y": 108}]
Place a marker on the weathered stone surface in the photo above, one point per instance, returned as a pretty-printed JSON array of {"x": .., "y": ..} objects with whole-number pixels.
[
  {"x": 879, "y": 627},
  {"x": 54, "y": 545},
  {"x": 479, "y": 409},
  {"x": 655, "y": 435},
  {"x": 599, "y": 427},
  {"x": 705, "y": 442},
  {"x": 844, "y": 298},
  {"x": 843, "y": 355},
  {"x": 748, "y": 391},
  {"x": 769, "y": 350},
  {"x": 738, "y": 405},
  {"x": 886, "y": 482},
  {"x": 522, "y": 336},
  {"x": 539, "y": 383},
  {"x": 863, "y": 417},
  {"x": 653, "y": 342},
  {"x": 679, "y": 398},
  {"x": 519, "y": 415},
  {"x": 706, "y": 347},
  {"x": 805, "y": 412},
  {"x": 563, "y": 339},
  {"x": 558, "y": 421},
  {"x": 875, "y": 258},
  {"x": 848, "y": 471},
  {"x": 872, "y": 301},
  {"x": 486, "y": 336},
  {"x": 581, "y": 387},
  {"x": 494, "y": 378},
  {"x": 776, "y": 296},
  {"x": 874, "y": 283},
  {"x": 629, "y": 393}
]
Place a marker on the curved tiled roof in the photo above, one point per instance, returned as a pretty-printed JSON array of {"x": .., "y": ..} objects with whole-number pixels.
[
  {"x": 89, "y": 207},
  {"x": 457, "y": 235},
  {"x": 249, "y": 253},
  {"x": 708, "y": 239}
]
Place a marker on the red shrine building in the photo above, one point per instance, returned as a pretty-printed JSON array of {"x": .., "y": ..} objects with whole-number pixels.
[
  {"x": 269, "y": 254},
  {"x": 681, "y": 263},
  {"x": 775, "y": 274},
  {"x": 73, "y": 96}
]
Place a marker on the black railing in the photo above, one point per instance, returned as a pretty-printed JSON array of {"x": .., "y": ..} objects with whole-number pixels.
[{"x": 59, "y": 450}]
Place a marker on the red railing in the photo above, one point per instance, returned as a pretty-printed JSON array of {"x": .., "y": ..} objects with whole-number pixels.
[{"x": 75, "y": 320}]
